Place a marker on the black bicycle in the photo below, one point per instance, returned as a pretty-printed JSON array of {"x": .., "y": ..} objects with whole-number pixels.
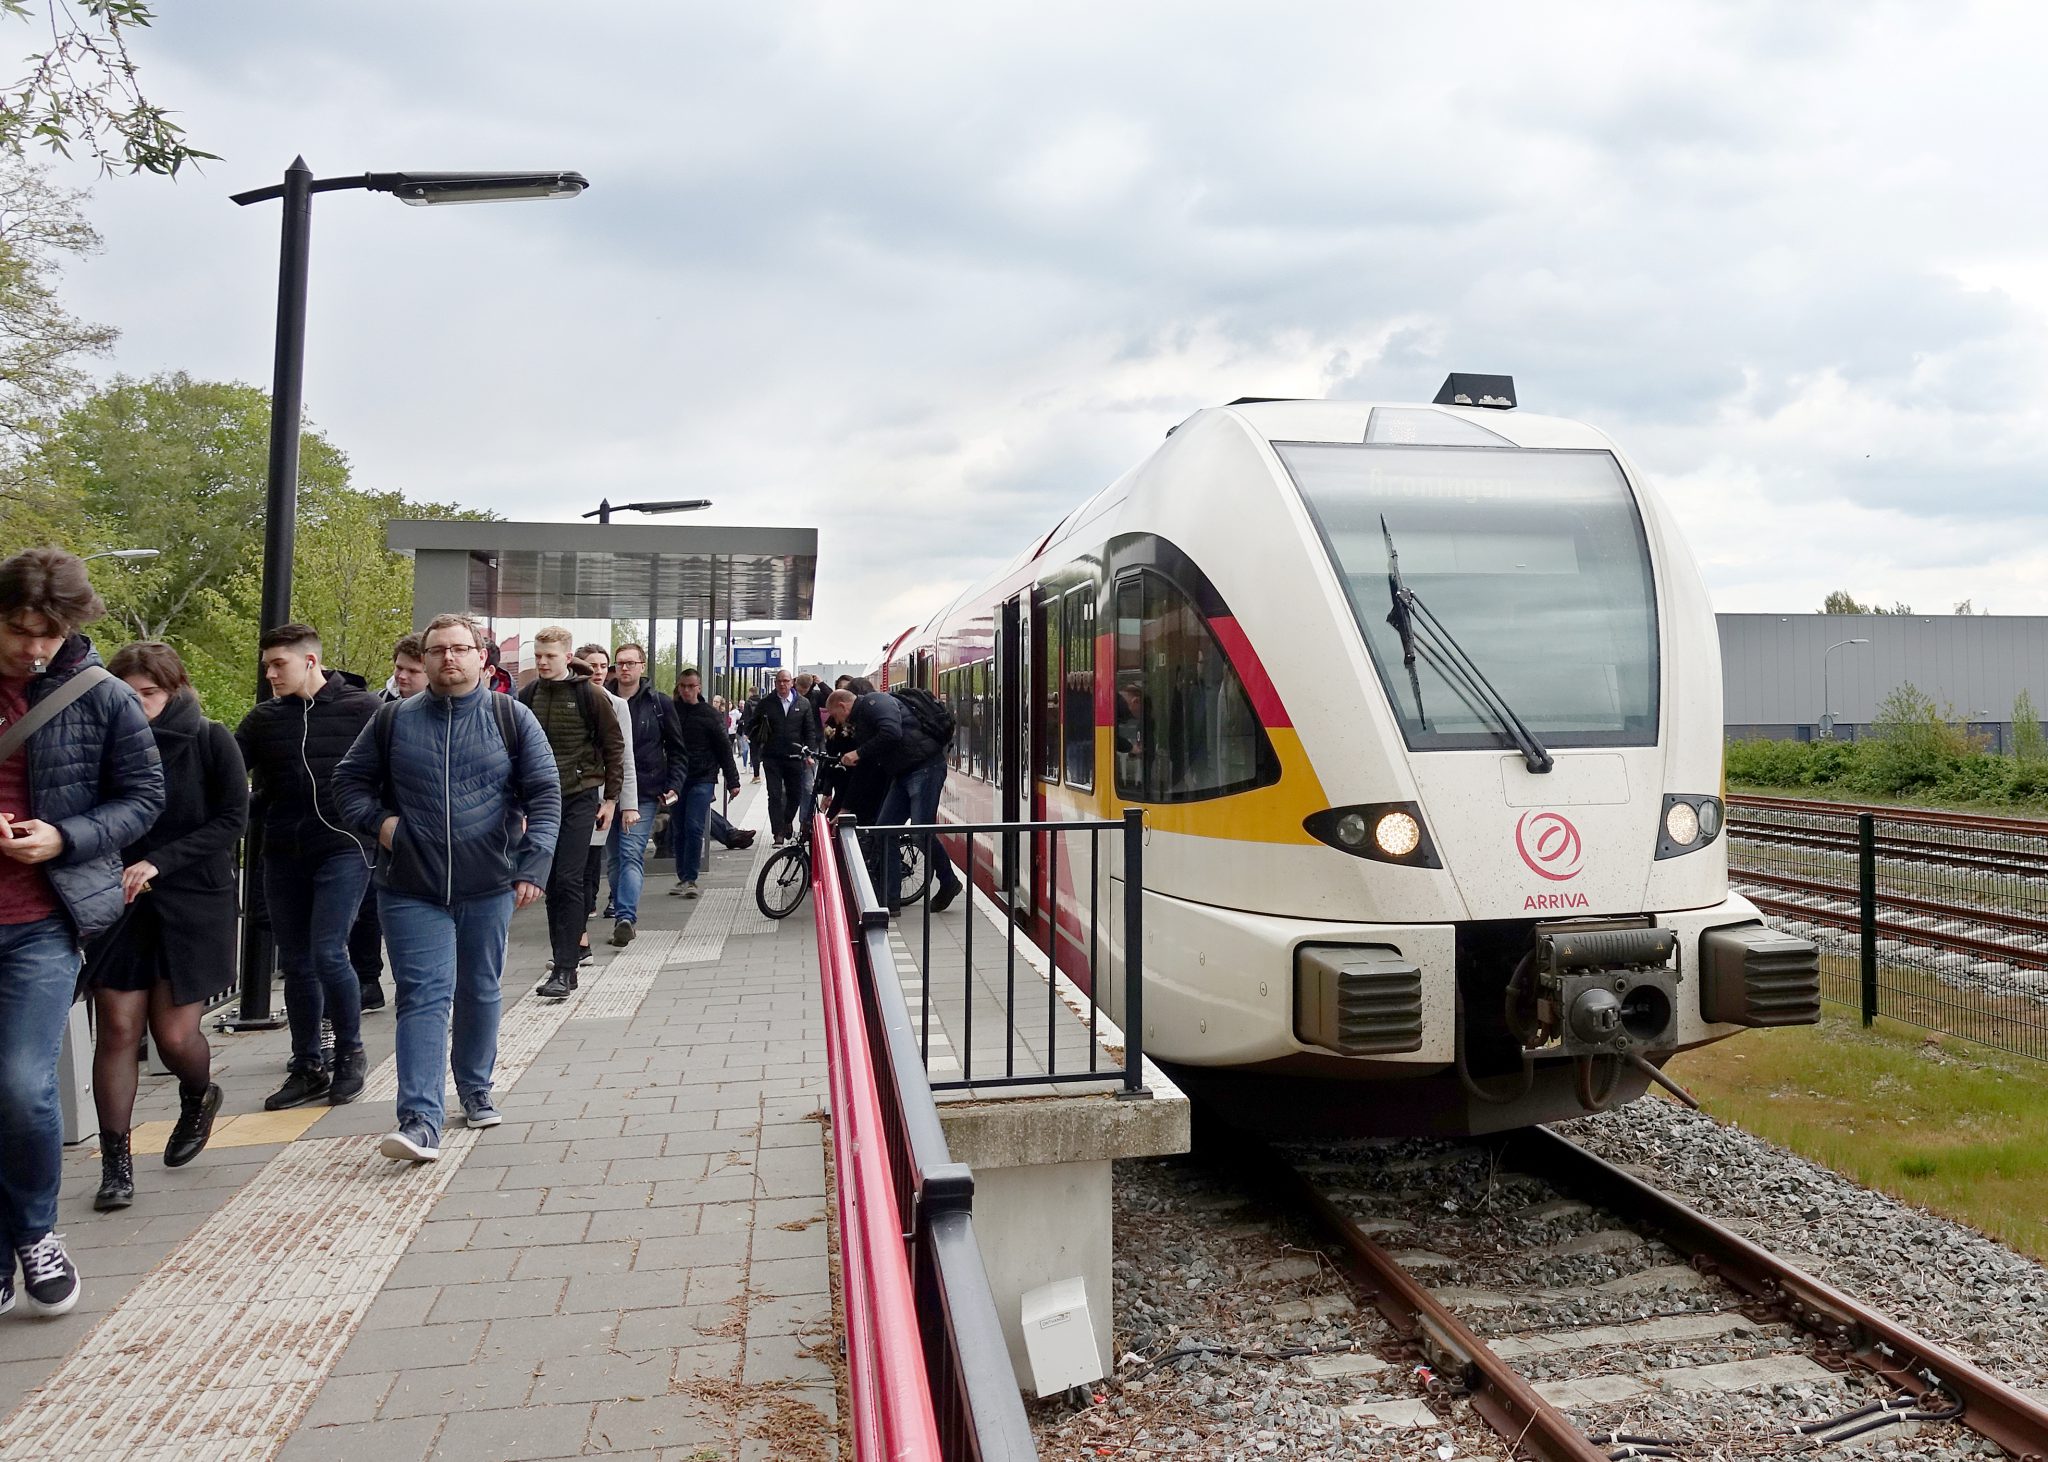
[{"x": 785, "y": 879}]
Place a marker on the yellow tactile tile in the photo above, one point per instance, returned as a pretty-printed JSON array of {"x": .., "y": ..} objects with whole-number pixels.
[{"x": 250, "y": 1129}]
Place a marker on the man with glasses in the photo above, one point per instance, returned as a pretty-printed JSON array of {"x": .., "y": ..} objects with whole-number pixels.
[
  {"x": 787, "y": 727},
  {"x": 459, "y": 788},
  {"x": 660, "y": 760}
]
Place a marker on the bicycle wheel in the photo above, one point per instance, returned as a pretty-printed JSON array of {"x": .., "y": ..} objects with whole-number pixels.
[
  {"x": 917, "y": 870},
  {"x": 785, "y": 880}
]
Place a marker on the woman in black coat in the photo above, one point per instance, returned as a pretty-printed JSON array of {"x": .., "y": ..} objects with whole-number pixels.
[{"x": 174, "y": 945}]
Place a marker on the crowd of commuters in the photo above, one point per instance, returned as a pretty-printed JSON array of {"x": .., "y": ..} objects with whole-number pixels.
[{"x": 405, "y": 823}]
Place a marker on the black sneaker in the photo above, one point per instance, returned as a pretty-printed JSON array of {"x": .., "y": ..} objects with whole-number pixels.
[
  {"x": 302, "y": 1084},
  {"x": 7, "y": 1288},
  {"x": 622, "y": 933},
  {"x": 48, "y": 1275},
  {"x": 351, "y": 1071},
  {"x": 373, "y": 996},
  {"x": 195, "y": 1126},
  {"x": 414, "y": 1141},
  {"x": 554, "y": 987},
  {"x": 586, "y": 956},
  {"x": 943, "y": 899}
]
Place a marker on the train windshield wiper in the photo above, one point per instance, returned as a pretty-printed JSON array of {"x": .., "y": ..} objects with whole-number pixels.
[{"x": 1424, "y": 634}]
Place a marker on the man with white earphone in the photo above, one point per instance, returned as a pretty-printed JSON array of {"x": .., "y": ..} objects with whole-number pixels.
[{"x": 314, "y": 869}]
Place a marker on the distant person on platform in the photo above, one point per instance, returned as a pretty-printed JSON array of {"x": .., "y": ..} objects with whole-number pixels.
[
  {"x": 79, "y": 780},
  {"x": 314, "y": 868},
  {"x": 583, "y": 731},
  {"x": 786, "y": 730},
  {"x": 707, "y": 749},
  {"x": 174, "y": 945},
  {"x": 660, "y": 761},
  {"x": 365, "y": 939},
  {"x": 460, "y": 790},
  {"x": 598, "y": 660}
]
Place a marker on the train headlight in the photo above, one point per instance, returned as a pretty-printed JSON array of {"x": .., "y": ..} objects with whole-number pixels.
[
  {"x": 1397, "y": 833},
  {"x": 1689, "y": 824},
  {"x": 1386, "y": 832}
]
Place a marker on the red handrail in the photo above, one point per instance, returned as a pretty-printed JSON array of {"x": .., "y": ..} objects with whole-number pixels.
[{"x": 886, "y": 1383}]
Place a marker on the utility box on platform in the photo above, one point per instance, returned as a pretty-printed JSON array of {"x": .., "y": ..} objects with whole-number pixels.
[{"x": 1059, "y": 1337}]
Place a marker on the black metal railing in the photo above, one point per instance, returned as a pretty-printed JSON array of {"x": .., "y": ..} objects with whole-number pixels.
[
  {"x": 1070, "y": 947},
  {"x": 975, "y": 1396},
  {"x": 1935, "y": 919}
]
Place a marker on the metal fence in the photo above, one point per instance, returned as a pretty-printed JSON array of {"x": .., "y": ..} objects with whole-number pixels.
[
  {"x": 1079, "y": 948},
  {"x": 975, "y": 1401},
  {"x": 1936, "y": 919}
]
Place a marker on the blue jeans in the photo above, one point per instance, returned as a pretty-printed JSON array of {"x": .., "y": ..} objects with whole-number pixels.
[
  {"x": 313, "y": 904},
  {"x": 694, "y": 806},
  {"x": 626, "y": 849},
  {"x": 38, "y": 973},
  {"x": 914, "y": 798},
  {"x": 445, "y": 961}
]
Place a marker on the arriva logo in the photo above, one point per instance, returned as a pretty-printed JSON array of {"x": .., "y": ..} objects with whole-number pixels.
[{"x": 1550, "y": 845}]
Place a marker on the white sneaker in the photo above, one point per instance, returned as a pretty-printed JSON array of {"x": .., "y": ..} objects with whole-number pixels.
[{"x": 689, "y": 890}]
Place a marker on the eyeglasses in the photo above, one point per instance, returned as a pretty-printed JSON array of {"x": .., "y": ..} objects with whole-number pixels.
[
  {"x": 631, "y": 664},
  {"x": 442, "y": 652}
]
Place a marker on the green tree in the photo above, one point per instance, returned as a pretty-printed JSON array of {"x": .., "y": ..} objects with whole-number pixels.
[
  {"x": 1841, "y": 601},
  {"x": 2028, "y": 742},
  {"x": 81, "y": 89}
]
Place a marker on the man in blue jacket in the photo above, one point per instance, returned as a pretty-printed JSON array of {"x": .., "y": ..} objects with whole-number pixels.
[
  {"x": 83, "y": 786},
  {"x": 460, "y": 791}
]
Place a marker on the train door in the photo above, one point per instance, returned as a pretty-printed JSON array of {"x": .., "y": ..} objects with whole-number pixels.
[{"x": 1013, "y": 746}]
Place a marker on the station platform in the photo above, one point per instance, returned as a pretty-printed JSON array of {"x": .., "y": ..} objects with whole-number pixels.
[{"x": 635, "y": 1264}]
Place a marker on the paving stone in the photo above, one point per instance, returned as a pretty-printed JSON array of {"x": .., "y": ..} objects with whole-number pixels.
[
  {"x": 517, "y": 1233},
  {"x": 442, "y": 1390},
  {"x": 402, "y": 1350},
  {"x": 675, "y": 1423},
  {"x": 513, "y": 1436},
  {"x": 373, "y": 1441},
  {"x": 348, "y": 1400},
  {"x": 625, "y": 1375},
  {"x": 676, "y": 1327},
  {"x": 788, "y": 1276},
  {"x": 570, "y": 1260},
  {"x": 498, "y": 1301},
  {"x": 694, "y": 1251}
]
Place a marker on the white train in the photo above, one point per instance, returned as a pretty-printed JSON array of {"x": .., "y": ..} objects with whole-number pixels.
[{"x": 1423, "y": 707}]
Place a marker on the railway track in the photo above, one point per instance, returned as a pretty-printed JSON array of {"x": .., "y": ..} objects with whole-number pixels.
[
  {"x": 2001, "y": 862},
  {"x": 1566, "y": 1371},
  {"x": 1933, "y": 817}
]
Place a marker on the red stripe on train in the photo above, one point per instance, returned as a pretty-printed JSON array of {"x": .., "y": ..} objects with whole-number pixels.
[{"x": 1251, "y": 670}]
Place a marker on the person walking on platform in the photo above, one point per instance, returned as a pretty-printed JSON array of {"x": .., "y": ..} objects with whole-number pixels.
[
  {"x": 365, "y": 939},
  {"x": 787, "y": 732},
  {"x": 706, "y": 749},
  {"x": 597, "y": 659},
  {"x": 174, "y": 945},
  {"x": 659, "y": 760},
  {"x": 460, "y": 789},
  {"x": 590, "y": 757},
  {"x": 913, "y": 797},
  {"x": 314, "y": 869},
  {"x": 79, "y": 780}
]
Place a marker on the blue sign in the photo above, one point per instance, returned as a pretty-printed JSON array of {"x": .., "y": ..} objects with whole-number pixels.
[{"x": 756, "y": 657}]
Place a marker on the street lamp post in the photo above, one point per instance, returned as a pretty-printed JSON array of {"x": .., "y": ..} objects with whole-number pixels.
[
  {"x": 1827, "y": 700},
  {"x": 281, "y": 484},
  {"x": 123, "y": 553},
  {"x": 603, "y": 513}
]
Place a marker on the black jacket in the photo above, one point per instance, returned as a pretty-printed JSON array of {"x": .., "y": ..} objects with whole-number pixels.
[
  {"x": 292, "y": 746},
  {"x": 785, "y": 733},
  {"x": 887, "y": 735},
  {"x": 659, "y": 757},
  {"x": 707, "y": 747}
]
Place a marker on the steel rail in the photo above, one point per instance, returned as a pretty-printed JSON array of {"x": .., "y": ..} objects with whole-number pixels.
[
  {"x": 1908, "y": 933},
  {"x": 1977, "y": 822},
  {"x": 1505, "y": 1401},
  {"x": 1847, "y": 1327},
  {"x": 2014, "y": 862},
  {"x": 1989, "y": 918}
]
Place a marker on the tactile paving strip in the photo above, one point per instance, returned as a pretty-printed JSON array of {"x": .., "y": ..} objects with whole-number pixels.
[
  {"x": 218, "y": 1352},
  {"x": 704, "y": 936},
  {"x": 627, "y": 979}
]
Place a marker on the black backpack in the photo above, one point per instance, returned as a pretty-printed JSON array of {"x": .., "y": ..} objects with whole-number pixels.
[{"x": 930, "y": 713}]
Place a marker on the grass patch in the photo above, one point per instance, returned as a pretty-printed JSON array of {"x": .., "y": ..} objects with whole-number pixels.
[{"x": 1952, "y": 1127}]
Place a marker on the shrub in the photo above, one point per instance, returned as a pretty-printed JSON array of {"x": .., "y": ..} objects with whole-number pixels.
[{"x": 2028, "y": 743}]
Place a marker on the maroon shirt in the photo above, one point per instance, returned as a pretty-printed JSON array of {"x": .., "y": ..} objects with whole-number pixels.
[{"x": 25, "y": 894}]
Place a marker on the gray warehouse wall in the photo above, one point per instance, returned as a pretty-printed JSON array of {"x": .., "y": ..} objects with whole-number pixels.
[{"x": 1973, "y": 664}]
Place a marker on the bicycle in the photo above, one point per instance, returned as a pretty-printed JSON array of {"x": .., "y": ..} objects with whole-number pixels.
[{"x": 785, "y": 879}]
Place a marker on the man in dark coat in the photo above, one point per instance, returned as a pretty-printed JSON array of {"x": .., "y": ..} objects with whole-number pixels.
[
  {"x": 706, "y": 749},
  {"x": 785, "y": 727},
  {"x": 86, "y": 784},
  {"x": 314, "y": 869}
]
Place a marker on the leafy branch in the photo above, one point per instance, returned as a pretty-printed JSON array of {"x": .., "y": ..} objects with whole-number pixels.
[{"x": 81, "y": 90}]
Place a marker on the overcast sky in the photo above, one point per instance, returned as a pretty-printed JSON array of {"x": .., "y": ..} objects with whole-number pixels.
[{"x": 924, "y": 275}]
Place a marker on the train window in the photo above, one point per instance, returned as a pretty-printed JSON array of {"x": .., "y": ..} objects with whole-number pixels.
[
  {"x": 1045, "y": 646},
  {"x": 1078, "y": 690},
  {"x": 1534, "y": 562},
  {"x": 1184, "y": 727}
]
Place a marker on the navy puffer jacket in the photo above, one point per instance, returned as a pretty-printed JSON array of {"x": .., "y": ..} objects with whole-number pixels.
[
  {"x": 460, "y": 794},
  {"x": 94, "y": 773}
]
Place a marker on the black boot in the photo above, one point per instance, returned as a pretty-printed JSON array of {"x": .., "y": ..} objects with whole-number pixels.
[
  {"x": 117, "y": 1173},
  {"x": 195, "y": 1125},
  {"x": 351, "y": 1070}
]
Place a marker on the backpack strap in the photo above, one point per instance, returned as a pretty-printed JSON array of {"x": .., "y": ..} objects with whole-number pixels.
[
  {"x": 46, "y": 710},
  {"x": 508, "y": 725}
]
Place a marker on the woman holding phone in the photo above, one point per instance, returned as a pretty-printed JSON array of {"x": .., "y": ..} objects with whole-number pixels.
[{"x": 174, "y": 945}]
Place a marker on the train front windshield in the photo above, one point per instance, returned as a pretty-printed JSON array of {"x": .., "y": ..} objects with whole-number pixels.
[{"x": 1534, "y": 562}]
